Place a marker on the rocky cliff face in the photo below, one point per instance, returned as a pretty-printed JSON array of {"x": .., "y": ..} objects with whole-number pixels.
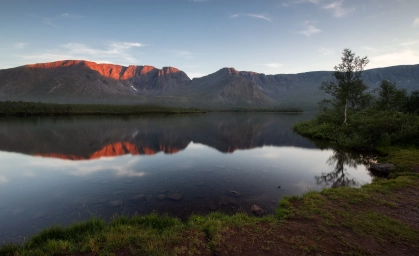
[{"x": 78, "y": 81}]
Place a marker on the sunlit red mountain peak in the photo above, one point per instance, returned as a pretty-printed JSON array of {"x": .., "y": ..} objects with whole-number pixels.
[{"x": 113, "y": 71}]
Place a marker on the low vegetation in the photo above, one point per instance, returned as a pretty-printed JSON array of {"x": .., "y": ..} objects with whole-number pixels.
[{"x": 20, "y": 108}]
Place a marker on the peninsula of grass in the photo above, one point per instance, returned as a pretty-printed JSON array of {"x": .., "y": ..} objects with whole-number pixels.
[
  {"x": 20, "y": 108},
  {"x": 376, "y": 219}
]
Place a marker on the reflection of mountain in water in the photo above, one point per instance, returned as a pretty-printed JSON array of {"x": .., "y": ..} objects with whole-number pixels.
[{"x": 92, "y": 137}]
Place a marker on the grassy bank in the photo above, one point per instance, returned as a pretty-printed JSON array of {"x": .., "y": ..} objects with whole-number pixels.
[
  {"x": 10, "y": 108},
  {"x": 376, "y": 219}
]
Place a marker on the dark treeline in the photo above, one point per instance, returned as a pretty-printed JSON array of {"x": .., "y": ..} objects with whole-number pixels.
[
  {"x": 274, "y": 109},
  {"x": 356, "y": 118},
  {"x": 20, "y": 108}
]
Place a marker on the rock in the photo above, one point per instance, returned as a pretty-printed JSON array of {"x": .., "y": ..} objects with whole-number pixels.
[
  {"x": 138, "y": 197},
  {"x": 115, "y": 203},
  {"x": 176, "y": 196},
  {"x": 162, "y": 197},
  {"x": 257, "y": 210},
  {"x": 201, "y": 184},
  {"x": 382, "y": 168},
  {"x": 226, "y": 200},
  {"x": 235, "y": 193}
]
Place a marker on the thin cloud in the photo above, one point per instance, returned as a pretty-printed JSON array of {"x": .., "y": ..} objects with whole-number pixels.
[
  {"x": 179, "y": 53},
  {"x": 326, "y": 51},
  {"x": 271, "y": 65},
  {"x": 369, "y": 48},
  {"x": 337, "y": 9},
  {"x": 251, "y": 15},
  {"x": 259, "y": 16},
  {"x": 306, "y": 1},
  {"x": 310, "y": 29},
  {"x": 409, "y": 43},
  {"x": 185, "y": 54},
  {"x": 115, "y": 52},
  {"x": 52, "y": 21},
  {"x": 404, "y": 57},
  {"x": 416, "y": 22},
  {"x": 19, "y": 45},
  {"x": 292, "y": 2},
  {"x": 3, "y": 179}
]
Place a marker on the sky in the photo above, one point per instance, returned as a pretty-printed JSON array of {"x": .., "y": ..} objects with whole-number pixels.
[{"x": 202, "y": 36}]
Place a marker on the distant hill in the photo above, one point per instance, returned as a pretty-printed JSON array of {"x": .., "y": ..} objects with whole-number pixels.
[{"x": 78, "y": 81}]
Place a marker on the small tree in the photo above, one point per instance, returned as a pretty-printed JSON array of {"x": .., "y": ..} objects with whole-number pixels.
[
  {"x": 348, "y": 89},
  {"x": 391, "y": 98},
  {"x": 412, "y": 105}
]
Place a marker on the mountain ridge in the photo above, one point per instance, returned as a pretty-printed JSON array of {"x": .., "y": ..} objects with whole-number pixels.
[{"x": 82, "y": 81}]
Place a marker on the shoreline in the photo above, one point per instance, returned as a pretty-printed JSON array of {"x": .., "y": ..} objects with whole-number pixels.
[{"x": 24, "y": 109}]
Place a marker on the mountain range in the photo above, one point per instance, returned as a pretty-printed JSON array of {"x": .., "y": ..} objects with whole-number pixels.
[{"x": 79, "y": 81}]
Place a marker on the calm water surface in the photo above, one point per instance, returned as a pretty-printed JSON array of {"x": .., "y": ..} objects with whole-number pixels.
[{"x": 57, "y": 171}]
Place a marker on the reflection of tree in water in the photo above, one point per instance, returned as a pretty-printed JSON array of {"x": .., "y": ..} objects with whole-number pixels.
[{"x": 339, "y": 176}]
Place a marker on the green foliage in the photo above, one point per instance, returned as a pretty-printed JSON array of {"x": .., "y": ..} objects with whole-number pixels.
[
  {"x": 365, "y": 130},
  {"x": 347, "y": 91},
  {"x": 390, "y": 98},
  {"x": 412, "y": 104},
  {"x": 367, "y": 122},
  {"x": 76, "y": 232}
]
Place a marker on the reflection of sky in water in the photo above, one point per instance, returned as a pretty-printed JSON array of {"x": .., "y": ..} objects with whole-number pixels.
[{"x": 36, "y": 192}]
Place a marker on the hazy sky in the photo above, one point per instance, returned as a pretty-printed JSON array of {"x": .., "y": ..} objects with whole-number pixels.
[{"x": 202, "y": 36}]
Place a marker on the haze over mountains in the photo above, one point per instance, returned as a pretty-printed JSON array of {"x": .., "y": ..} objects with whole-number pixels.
[{"x": 78, "y": 81}]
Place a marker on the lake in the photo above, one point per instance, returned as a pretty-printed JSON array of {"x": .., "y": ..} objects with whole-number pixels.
[{"x": 62, "y": 170}]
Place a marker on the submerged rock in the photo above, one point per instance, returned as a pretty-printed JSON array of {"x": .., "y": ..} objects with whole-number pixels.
[
  {"x": 115, "y": 203},
  {"x": 175, "y": 196},
  {"x": 162, "y": 197},
  {"x": 257, "y": 210},
  {"x": 235, "y": 193},
  {"x": 201, "y": 184},
  {"x": 226, "y": 200},
  {"x": 382, "y": 168},
  {"x": 138, "y": 197}
]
